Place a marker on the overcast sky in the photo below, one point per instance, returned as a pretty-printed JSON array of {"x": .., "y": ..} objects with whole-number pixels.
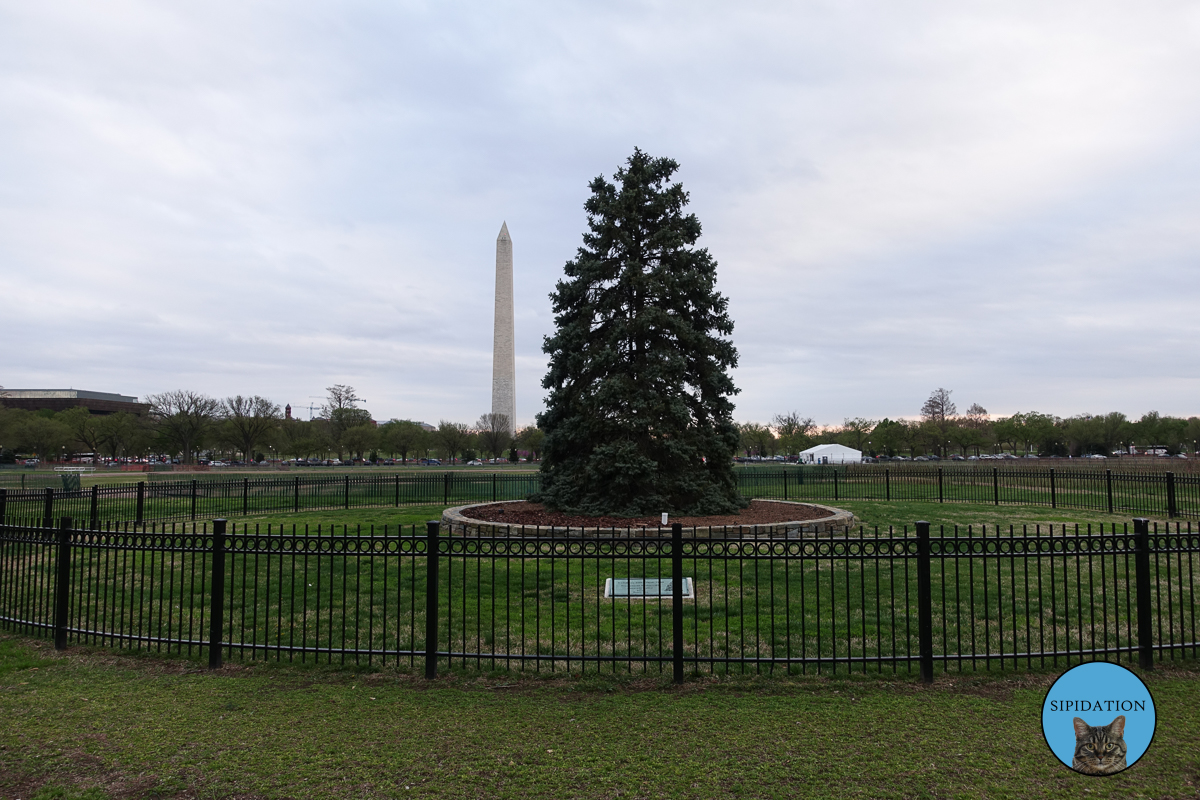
[{"x": 1002, "y": 199}]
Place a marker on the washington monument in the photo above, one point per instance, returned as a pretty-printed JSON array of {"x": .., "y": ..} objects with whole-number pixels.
[{"x": 504, "y": 358}]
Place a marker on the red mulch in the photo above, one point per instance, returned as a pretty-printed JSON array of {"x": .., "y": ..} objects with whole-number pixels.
[{"x": 760, "y": 512}]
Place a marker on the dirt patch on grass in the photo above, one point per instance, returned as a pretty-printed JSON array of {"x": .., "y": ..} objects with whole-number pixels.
[{"x": 759, "y": 512}]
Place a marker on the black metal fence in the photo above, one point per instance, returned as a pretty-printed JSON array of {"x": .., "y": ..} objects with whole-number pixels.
[
  {"x": 202, "y": 498},
  {"x": 1127, "y": 493},
  {"x": 869, "y": 601},
  {"x": 1158, "y": 493}
]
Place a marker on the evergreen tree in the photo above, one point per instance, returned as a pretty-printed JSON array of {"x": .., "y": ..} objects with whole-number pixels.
[{"x": 638, "y": 419}]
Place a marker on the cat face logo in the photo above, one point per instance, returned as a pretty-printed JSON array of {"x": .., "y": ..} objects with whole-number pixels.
[{"x": 1099, "y": 750}]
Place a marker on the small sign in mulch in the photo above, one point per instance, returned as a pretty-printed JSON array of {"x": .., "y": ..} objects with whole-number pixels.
[{"x": 760, "y": 512}]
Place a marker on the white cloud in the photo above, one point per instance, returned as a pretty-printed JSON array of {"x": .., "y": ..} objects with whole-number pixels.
[{"x": 271, "y": 198}]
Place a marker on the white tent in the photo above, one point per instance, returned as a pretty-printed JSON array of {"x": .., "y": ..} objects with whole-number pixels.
[{"x": 831, "y": 454}]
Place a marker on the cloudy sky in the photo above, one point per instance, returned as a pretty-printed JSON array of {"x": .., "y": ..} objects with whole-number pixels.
[{"x": 272, "y": 197}]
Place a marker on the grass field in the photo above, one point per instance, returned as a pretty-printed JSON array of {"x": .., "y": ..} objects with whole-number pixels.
[
  {"x": 871, "y": 514},
  {"x": 91, "y": 724},
  {"x": 232, "y": 494}
]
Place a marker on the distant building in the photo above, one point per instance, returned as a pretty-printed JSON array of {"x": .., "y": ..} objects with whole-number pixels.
[
  {"x": 99, "y": 403},
  {"x": 831, "y": 454}
]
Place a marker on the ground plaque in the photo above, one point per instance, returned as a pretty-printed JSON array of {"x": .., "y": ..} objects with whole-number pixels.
[{"x": 645, "y": 588}]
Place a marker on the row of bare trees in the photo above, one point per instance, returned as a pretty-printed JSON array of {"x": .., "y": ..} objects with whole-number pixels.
[
  {"x": 185, "y": 424},
  {"x": 941, "y": 429}
]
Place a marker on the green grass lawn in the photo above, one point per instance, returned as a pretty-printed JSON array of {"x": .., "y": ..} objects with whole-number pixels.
[
  {"x": 870, "y": 514},
  {"x": 900, "y": 513},
  {"x": 93, "y": 724},
  {"x": 352, "y": 520},
  {"x": 229, "y": 493}
]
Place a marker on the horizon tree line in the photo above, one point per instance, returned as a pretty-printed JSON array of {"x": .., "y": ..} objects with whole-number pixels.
[
  {"x": 941, "y": 430},
  {"x": 184, "y": 424}
]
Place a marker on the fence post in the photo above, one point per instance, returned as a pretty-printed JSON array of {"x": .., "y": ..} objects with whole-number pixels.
[
  {"x": 1172, "y": 512},
  {"x": 446, "y": 489},
  {"x": 95, "y": 509},
  {"x": 941, "y": 497},
  {"x": 887, "y": 482},
  {"x": 3, "y": 504},
  {"x": 195, "y": 488},
  {"x": 48, "y": 508},
  {"x": 493, "y": 487},
  {"x": 245, "y": 496},
  {"x": 141, "y": 501},
  {"x": 346, "y": 498},
  {"x": 1145, "y": 624},
  {"x": 924, "y": 603},
  {"x": 62, "y": 586},
  {"x": 296, "y": 495},
  {"x": 1053, "y": 492},
  {"x": 996, "y": 485},
  {"x": 216, "y": 606},
  {"x": 1108, "y": 483},
  {"x": 431, "y": 598},
  {"x": 677, "y": 600},
  {"x": 397, "y": 490},
  {"x": 835, "y": 483},
  {"x": 785, "y": 473}
]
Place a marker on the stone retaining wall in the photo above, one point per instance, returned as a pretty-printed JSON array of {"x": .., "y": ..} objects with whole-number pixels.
[{"x": 458, "y": 521}]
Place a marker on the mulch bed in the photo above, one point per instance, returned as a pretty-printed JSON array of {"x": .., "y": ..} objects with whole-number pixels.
[{"x": 760, "y": 512}]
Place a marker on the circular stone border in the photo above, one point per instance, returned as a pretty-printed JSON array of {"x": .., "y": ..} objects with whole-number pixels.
[{"x": 838, "y": 521}]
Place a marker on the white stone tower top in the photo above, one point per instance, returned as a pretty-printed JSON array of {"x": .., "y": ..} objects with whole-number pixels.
[{"x": 504, "y": 357}]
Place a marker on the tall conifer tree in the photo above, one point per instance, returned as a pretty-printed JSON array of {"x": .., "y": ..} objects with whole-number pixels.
[{"x": 638, "y": 419}]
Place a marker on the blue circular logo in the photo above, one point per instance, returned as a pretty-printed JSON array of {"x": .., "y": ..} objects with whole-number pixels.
[{"x": 1098, "y": 718}]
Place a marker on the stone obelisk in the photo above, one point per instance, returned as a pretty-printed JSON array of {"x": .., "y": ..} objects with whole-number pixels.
[{"x": 504, "y": 357}]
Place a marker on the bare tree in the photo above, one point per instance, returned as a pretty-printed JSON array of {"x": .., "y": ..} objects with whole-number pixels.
[
  {"x": 530, "y": 439},
  {"x": 123, "y": 434},
  {"x": 793, "y": 430},
  {"x": 341, "y": 397},
  {"x": 855, "y": 431},
  {"x": 757, "y": 438},
  {"x": 402, "y": 436},
  {"x": 249, "y": 419},
  {"x": 494, "y": 433},
  {"x": 183, "y": 418},
  {"x": 84, "y": 426},
  {"x": 453, "y": 437},
  {"x": 939, "y": 407},
  {"x": 360, "y": 439}
]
